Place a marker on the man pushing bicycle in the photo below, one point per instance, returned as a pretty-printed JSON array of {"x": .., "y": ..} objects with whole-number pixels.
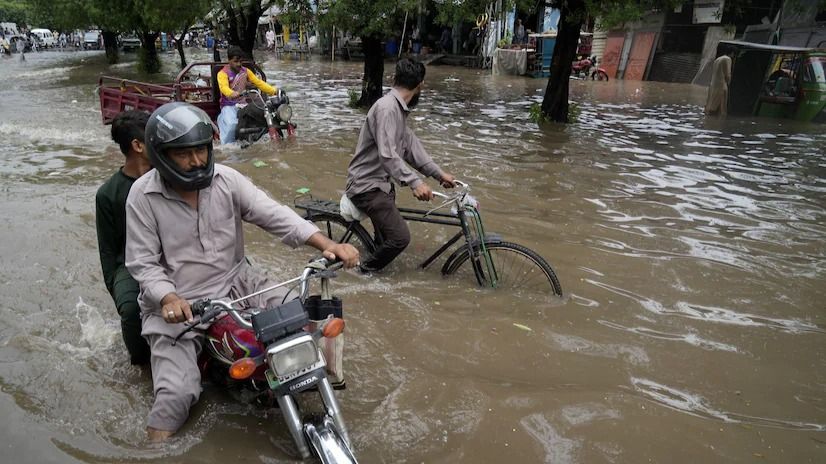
[{"x": 386, "y": 147}]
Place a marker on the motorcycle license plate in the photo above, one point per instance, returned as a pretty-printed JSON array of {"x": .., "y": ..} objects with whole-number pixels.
[{"x": 274, "y": 383}]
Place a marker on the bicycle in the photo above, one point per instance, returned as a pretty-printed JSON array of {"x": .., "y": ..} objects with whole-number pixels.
[{"x": 494, "y": 262}]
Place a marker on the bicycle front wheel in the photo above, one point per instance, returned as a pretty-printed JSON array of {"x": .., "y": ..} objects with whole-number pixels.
[
  {"x": 516, "y": 268},
  {"x": 339, "y": 230}
]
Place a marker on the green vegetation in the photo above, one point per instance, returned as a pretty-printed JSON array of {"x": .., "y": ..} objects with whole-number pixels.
[
  {"x": 538, "y": 117},
  {"x": 147, "y": 18},
  {"x": 535, "y": 112},
  {"x": 353, "y": 97},
  {"x": 13, "y": 11}
]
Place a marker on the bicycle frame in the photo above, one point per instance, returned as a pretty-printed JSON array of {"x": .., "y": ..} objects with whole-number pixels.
[{"x": 469, "y": 222}]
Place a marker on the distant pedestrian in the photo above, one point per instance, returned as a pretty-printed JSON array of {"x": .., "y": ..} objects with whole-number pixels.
[
  {"x": 717, "y": 101},
  {"x": 445, "y": 40},
  {"x": 270, "y": 39},
  {"x": 416, "y": 39},
  {"x": 20, "y": 45},
  {"x": 519, "y": 36}
]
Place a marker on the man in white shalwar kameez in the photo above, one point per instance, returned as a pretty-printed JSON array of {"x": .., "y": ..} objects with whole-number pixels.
[{"x": 717, "y": 102}]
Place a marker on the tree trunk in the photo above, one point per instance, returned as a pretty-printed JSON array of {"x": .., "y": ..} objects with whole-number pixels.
[
  {"x": 373, "y": 71},
  {"x": 232, "y": 24},
  {"x": 243, "y": 25},
  {"x": 179, "y": 44},
  {"x": 148, "y": 60},
  {"x": 251, "y": 15},
  {"x": 555, "y": 102},
  {"x": 110, "y": 42}
]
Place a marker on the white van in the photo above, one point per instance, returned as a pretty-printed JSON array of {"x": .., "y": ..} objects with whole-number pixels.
[{"x": 45, "y": 37}]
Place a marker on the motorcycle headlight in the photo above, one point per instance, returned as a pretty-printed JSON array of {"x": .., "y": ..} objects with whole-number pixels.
[
  {"x": 293, "y": 355},
  {"x": 285, "y": 113}
]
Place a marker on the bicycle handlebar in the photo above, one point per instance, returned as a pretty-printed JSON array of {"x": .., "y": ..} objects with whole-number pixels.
[{"x": 450, "y": 198}]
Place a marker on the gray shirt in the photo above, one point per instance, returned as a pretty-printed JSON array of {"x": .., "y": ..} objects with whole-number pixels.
[
  {"x": 385, "y": 148},
  {"x": 171, "y": 247}
]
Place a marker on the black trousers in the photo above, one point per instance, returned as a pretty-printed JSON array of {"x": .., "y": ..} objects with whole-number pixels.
[{"x": 392, "y": 234}]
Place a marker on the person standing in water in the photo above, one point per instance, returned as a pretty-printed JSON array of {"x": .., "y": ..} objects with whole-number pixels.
[{"x": 717, "y": 101}]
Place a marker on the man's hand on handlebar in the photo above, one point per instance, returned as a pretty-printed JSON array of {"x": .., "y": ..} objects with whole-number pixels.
[
  {"x": 175, "y": 309},
  {"x": 423, "y": 192},
  {"x": 348, "y": 254},
  {"x": 448, "y": 180}
]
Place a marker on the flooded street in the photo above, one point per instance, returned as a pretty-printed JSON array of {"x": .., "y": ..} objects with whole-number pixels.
[{"x": 692, "y": 255}]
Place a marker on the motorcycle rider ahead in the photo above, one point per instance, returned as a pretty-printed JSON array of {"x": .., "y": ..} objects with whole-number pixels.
[{"x": 232, "y": 81}]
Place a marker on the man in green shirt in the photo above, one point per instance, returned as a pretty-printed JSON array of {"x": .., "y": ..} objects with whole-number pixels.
[{"x": 110, "y": 204}]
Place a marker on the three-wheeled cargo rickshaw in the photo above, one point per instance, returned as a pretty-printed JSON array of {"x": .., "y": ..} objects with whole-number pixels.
[
  {"x": 776, "y": 81},
  {"x": 196, "y": 84}
]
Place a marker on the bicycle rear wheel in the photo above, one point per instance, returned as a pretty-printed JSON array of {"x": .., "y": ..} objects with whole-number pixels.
[
  {"x": 339, "y": 230},
  {"x": 516, "y": 268}
]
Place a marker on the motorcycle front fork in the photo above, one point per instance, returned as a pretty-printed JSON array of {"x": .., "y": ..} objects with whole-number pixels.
[
  {"x": 272, "y": 130},
  {"x": 296, "y": 424}
]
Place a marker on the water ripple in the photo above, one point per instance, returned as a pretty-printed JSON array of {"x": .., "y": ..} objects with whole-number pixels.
[{"x": 696, "y": 405}]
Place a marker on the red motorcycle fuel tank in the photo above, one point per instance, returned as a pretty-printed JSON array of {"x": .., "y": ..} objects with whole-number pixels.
[{"x": 227, "y": 342}]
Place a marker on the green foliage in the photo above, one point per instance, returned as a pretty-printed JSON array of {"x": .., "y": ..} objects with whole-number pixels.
[
  {"x": 115, "y": 15},
  {"x": 573, "y": 111},
  {"x": 295, "y": 13},
  {"x": 13, "y": 11},
  {"x": 536, "y": 114},
  {"x": 353, "y": 97},
  {"x": 366, "y": 18},
  {"x": 505, "y": 41},
  {"x": 614, "y": 14},
  {"x": 172, "y": 15}
]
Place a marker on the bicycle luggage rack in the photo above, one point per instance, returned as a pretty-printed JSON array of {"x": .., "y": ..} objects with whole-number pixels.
[{"x": 317, "y": 206}]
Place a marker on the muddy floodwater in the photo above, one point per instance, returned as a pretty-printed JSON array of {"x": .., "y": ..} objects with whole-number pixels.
[{"x": 692, "y": 254}]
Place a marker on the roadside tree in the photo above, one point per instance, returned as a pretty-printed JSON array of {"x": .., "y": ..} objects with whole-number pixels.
[
  {"x": 172, "y": 15},
  {"x": 369, "y": 20},
  {"x": 241, "y": 19}
]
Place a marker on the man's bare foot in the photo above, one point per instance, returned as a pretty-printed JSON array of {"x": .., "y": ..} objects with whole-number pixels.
[{"x": 156, "y": 435}]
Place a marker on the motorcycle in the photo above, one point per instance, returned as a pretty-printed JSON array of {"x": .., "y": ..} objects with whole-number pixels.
[
  {"x": 264, "y": 116},
  {"x": 268, "y": 354},
  {"x": 588, "y": 66}
]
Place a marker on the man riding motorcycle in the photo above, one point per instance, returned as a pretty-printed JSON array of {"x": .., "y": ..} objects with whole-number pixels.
[
  {"x": 185, "y": 241},
  {"x": 232, "y": 82}
]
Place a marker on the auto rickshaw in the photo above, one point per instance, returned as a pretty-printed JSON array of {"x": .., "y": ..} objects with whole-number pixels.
[{"x": 776, "y": 81}]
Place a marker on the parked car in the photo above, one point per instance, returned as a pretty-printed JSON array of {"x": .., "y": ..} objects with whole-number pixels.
[
  {"x": 130, "y": 42},
  {"x": 91, "y": 40},
  {"x": 44, "y": 37}
]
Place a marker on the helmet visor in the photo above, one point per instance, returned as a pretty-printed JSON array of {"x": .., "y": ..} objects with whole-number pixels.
[{"x": 179, "y": 122}]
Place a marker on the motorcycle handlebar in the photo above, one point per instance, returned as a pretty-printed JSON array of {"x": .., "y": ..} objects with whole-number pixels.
[
  {"x": 208, "y": 309},
  {"x": 198, "y": 307}
]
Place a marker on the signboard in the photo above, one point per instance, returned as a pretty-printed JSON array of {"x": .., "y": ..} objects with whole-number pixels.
[
  {"x": 550, "y": 21},
  {"x": 708, "y": 11}
]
